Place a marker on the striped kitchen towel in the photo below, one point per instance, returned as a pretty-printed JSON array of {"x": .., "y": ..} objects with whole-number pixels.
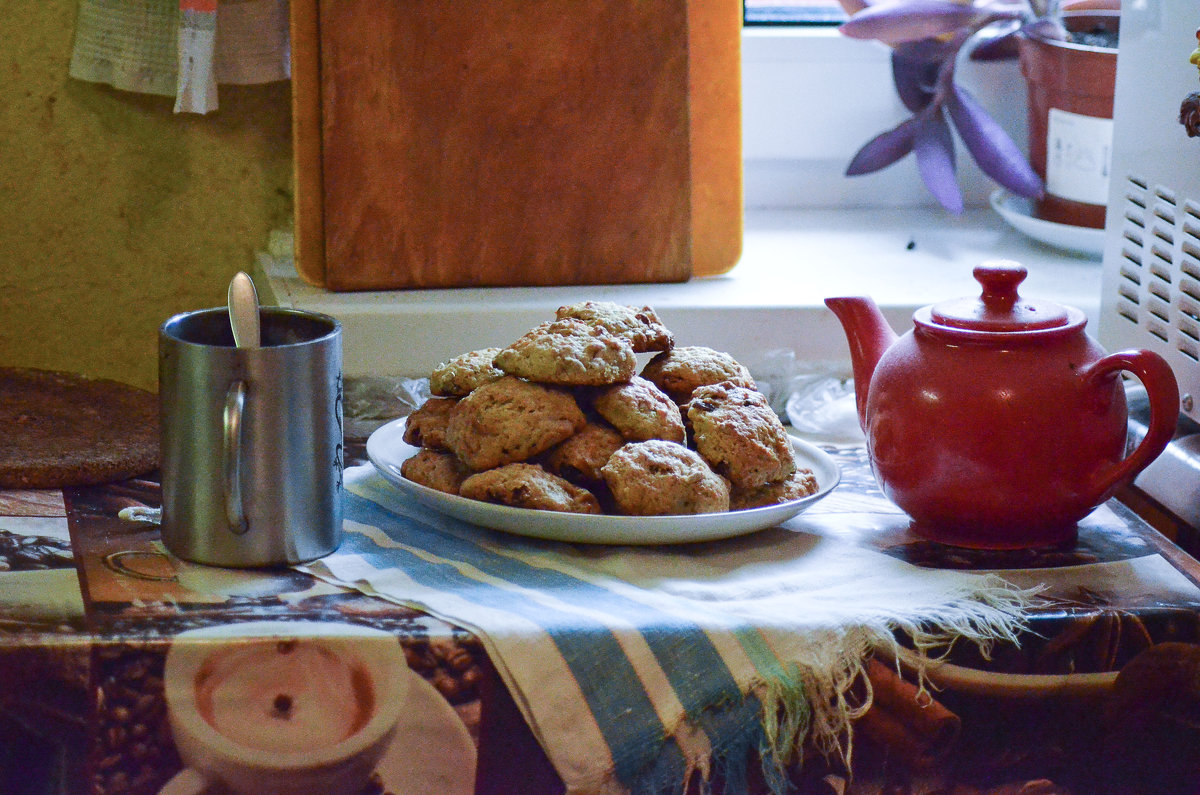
[{"x": 640, "y": 668}]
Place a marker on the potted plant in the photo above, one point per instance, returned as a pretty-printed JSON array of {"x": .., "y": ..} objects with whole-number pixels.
[{"x": 927, "y": 36}]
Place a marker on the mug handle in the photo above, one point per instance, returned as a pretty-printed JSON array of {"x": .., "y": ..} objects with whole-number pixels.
[
  {"x": 1163, "y": 391},
  {"x": 235, "y": 404}
]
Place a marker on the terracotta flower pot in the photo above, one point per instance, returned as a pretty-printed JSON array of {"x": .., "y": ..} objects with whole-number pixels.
[{"x": 1070, "y": 119}]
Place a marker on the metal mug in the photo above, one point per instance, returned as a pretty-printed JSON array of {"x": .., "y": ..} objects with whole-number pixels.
[{"x": 252, "y": 452}]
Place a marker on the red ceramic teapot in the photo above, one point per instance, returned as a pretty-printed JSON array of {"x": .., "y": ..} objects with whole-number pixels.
[{"x": 997, "y": 422}]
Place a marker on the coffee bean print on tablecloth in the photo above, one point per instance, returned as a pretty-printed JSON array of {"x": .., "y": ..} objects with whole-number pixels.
[{"x": 19, "y": 552}]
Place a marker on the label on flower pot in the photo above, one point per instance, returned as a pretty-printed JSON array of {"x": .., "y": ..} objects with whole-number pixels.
[{"x": 1078, "y": 156}]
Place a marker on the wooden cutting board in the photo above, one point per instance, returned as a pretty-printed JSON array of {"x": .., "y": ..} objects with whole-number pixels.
[{"x": 516, "y": 142}]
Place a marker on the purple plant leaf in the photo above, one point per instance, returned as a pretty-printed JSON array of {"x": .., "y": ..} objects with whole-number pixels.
[
  {"x": 936, "y": 50},
  {"x": 990, "y": 146},
  {"x": 997, "y": 48},
  {"x": 914, "y": 76},
  {"x": 1049, "y": 29},
  {"x": 896, "y": 21},
  {"x": 884, "y": 149},
  {"x": 933, "y": 145}
]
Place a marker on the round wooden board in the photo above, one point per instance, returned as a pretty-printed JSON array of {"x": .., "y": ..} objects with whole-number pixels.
[{"x": 64, "y": 429}]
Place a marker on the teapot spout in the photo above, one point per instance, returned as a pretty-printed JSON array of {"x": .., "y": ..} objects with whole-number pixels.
[{"x": 869, "y": 336}]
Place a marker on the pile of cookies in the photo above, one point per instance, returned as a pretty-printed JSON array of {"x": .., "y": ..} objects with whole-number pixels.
[{"x": 561, "y": 420}]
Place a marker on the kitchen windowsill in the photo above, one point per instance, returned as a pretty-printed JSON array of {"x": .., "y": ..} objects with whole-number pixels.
[{"x": 771, "y": 302}]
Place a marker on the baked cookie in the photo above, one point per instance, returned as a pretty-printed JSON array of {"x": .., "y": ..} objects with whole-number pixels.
[
  {"x": 435, "y": 469},
  {"x": 679, "y": 371},
  {"x": 464, "y": 373},
  {"x": 510, "y": 420},
  {"x": 569, "y": 352},
  {"x": 426, "y": 427},
  {"x": 580, "y": 457},
  {"x": 659, "y": 478},
  {"x": 800, "y": 483},
  {"x": 737, "y": 433},
  {"x": 529, "y": 486},
  {"x": 641, "y": 327},
  {"x": 641, "y": 411}
]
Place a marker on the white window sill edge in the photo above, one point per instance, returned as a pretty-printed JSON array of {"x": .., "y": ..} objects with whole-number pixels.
[{"x": 769, "y": 305}]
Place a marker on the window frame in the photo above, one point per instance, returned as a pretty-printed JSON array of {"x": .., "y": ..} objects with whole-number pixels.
[
  {"x": 799, "y": 133},
  {"x": 817, "y": 13}
]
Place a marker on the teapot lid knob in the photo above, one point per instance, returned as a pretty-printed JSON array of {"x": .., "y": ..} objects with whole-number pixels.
[
  {"x": 1000, "y": 279},
  {"x": 999, "y": 307}
]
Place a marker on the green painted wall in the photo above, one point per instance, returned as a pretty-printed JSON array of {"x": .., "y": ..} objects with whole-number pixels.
[{"x": 115, "y": 212}]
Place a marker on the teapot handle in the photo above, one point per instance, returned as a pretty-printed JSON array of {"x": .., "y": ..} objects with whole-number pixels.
[{"x": 1163, "y": 391}]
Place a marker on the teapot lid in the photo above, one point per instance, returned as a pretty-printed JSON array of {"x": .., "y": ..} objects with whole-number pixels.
[{"x": 999, "y": 308}]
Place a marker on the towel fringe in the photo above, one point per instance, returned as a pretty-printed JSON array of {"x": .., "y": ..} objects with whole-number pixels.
[{"x": 813, "y": 701}]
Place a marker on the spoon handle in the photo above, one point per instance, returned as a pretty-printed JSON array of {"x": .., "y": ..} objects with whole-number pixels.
[{"x": 243, "y": 311}]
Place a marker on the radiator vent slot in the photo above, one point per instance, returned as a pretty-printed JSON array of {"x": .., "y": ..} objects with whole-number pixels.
[
  {"x": 1160, "y": 291},
  {"x": 1189, "y": 329},
  {"x": 1189, "y": 295},
  {"x": 1191, "y": 227},
  {"x": 1160, "y": 310},
  {"x": 1190, "y": 263},
  {"x": 1158, "y": 284}
]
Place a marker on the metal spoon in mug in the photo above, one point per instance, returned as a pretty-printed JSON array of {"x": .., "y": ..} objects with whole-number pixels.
[
  {"x": 244, "y": 319},
  {"x": 243, "y": 311}
]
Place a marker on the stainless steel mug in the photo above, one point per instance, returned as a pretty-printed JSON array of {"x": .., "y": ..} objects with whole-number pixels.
[{"x": 251, "y": 438}]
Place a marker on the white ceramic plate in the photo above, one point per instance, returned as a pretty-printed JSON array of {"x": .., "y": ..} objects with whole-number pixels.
[
  {"x": 387, "y": 451},
  {"x": 1018, "y": 212}
]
